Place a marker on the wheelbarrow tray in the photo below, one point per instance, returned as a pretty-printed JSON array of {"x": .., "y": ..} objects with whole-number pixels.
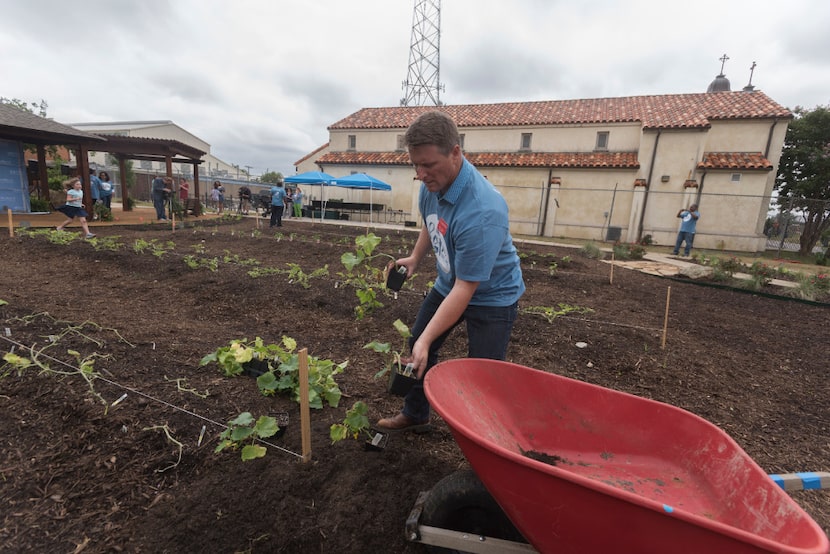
[{"x": 581, "y": 468}]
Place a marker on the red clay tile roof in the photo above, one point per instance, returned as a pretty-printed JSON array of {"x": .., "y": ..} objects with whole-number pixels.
[
  {"x": 734, "y": 160},
  {"x": 593, "y": 160},
  {"x": 670, "y": 111}
]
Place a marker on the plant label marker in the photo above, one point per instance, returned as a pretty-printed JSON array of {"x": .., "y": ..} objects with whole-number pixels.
[
  {"x": 8, "y": 332},
  {"x": 11, "y": 224},
  {"x": 305, "y": 416},
  {"x": 201, "y": 435},
  {"x": 120, "y": 400}
]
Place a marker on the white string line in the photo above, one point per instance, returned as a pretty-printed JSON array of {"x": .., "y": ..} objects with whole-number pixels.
[
  {"x": 607, "y": 323},
  {"x": 147, "y": 396}
]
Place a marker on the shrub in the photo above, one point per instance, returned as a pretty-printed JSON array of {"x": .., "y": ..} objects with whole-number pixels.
[
  {"x": 730, "y": 265},
  {"x": 762, "y": 273},
  {"x": 812, "y": 287},
  {"x": 628, "y": 251},
  {"x": 39, "y": 204},
  {"x": 591, "y": 250}
]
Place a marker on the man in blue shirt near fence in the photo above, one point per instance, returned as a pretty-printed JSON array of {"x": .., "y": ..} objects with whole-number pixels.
[{"x": 479, "y": 275}]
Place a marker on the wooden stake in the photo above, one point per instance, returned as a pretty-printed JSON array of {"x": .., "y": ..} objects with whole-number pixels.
[
  {"x": 173, "y": 220},
  {"x": 611, "y": 279},
  {"x": 305, "y": 415},
  {"x": 666, "y": 318},
  {"x": 11, "y": 223}
]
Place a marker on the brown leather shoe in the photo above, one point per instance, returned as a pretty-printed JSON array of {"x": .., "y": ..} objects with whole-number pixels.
[{"x": 401, "y": 422}]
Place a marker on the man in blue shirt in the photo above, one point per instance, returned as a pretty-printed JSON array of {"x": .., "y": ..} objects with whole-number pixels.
[
  {"x": 687, "y": 229},
  {"x": 479, "y": 277},
  {"x": 161, "y": 187},
  {"x": 94, "y": 191},
  {"x": 277, "y": 204}
]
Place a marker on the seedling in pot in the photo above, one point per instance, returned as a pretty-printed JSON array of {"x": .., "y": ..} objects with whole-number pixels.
[
  {"x": 401, "y": 378},
  {"x": 356, "y": 423}
]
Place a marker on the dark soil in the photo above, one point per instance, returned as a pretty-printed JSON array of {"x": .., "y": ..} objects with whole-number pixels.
[{"x": 79, "y": 477}]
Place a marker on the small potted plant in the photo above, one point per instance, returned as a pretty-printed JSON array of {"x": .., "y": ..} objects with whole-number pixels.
[
  {"x": 401, "y": 377},
  {"x": 356, "y": 423}
]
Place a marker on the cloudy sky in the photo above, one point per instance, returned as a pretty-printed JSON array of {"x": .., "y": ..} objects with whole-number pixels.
[{"x": 260, "y": 80}]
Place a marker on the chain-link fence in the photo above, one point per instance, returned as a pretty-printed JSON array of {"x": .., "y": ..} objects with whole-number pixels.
[{"x": 787, "y": 223}]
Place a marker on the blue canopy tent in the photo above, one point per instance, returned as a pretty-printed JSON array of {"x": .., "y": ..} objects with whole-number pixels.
[
  {"x": 362, "y": 181},
  {"x": 313, "y": 178}
]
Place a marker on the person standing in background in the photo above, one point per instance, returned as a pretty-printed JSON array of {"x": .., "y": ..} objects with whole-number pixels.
[
  {"x": 277, "y": 204},
  {"x": 289, "y": 204},
  {"x": 94, "y": 191},
  {"x": 298, "y": 203},
  {"x": 218, "y": 196},
  {"x": 184, "y": 189},
  {"x": 688, "y": 226},
  {"x": 161, "y": 190},
  {"x": 106, "y": 189}
]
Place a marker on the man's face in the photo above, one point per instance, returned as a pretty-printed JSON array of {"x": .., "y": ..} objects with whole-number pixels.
[{"x": 436, "y": 170}]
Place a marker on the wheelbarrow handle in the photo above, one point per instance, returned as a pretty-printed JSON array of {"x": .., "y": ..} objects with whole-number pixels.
[{"x": 808, "y": 480}]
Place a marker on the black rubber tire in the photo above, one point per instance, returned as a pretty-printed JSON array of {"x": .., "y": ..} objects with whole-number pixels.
[{"x": 460, "y": 502}]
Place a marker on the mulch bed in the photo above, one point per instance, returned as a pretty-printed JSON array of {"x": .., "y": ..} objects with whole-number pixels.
[{"x": 81, "y": 476}]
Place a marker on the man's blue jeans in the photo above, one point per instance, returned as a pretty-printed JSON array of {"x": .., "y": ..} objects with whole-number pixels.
[
  {"x": 488, "y": 332},
  {"x": 158, "y": 204},
  {"x": 684, "y": 236}
]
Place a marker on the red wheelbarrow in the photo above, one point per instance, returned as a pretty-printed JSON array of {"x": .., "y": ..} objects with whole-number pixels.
[{"x": 585, "y": 469}]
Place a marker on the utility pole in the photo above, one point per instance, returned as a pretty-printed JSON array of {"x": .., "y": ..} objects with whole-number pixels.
[
  {"x": 248, "y": 167},
  {"x": 422, "y": 85}
]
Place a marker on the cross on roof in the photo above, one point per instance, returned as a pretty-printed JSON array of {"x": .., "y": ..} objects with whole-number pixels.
[{"x": 723, "y": 62}]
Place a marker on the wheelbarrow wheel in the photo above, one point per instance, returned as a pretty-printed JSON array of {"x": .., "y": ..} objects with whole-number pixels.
[{"x": 459, "y": 502}]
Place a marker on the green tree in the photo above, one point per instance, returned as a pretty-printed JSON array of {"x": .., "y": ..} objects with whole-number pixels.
[
  {"x": 27, "y": 106},
  {"x": 803, "y": 180},
  {"x": 273, "y": 177},
  {"x": 37, "y": 108}
]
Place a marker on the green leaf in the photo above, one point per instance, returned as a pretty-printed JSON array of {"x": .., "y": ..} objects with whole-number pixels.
[
  {"x": 338, "y": 432},
  {"x": 367, "y": 243},
  {"x": 245, "y": 419},
  {"x": 252, "y": 452},
  {"x": 266, "y": 426},
  {"x": 239, "y": 434},
  {"x": 380, "y": 347},
  {"x": 267, "y": 383},
  {"x": 207, "y": 359},
  {"x": 402, "y": 329},
  {"x": 350, "y": 260},
  {"x": 223, "y": 445},
  {"x": 289, "y": 343}
]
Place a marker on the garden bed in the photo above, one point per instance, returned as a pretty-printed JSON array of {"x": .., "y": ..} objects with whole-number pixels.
[{"x": 79, "y": 474}]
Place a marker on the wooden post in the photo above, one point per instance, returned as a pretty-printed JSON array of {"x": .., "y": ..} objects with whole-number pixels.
[
  {"x": 611, "y": 279},
  {"x": 666, "y": 318},
  {"x": 173, "y": 218},
  {"x": 11, "y": 223},
  {"x": 305, "y": 416}
]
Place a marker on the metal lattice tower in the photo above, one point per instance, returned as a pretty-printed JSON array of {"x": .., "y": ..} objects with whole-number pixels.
[{"x": 422, "y": 85}]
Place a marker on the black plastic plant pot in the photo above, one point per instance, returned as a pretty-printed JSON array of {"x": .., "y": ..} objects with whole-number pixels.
[
  {"x": 399, "y": 384},
  {"x": 377, "y": 442},
  {"x": 396, "y": 278},
  {"x": 255, "y": 368},
  {"x": 282, "y": 423}
]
